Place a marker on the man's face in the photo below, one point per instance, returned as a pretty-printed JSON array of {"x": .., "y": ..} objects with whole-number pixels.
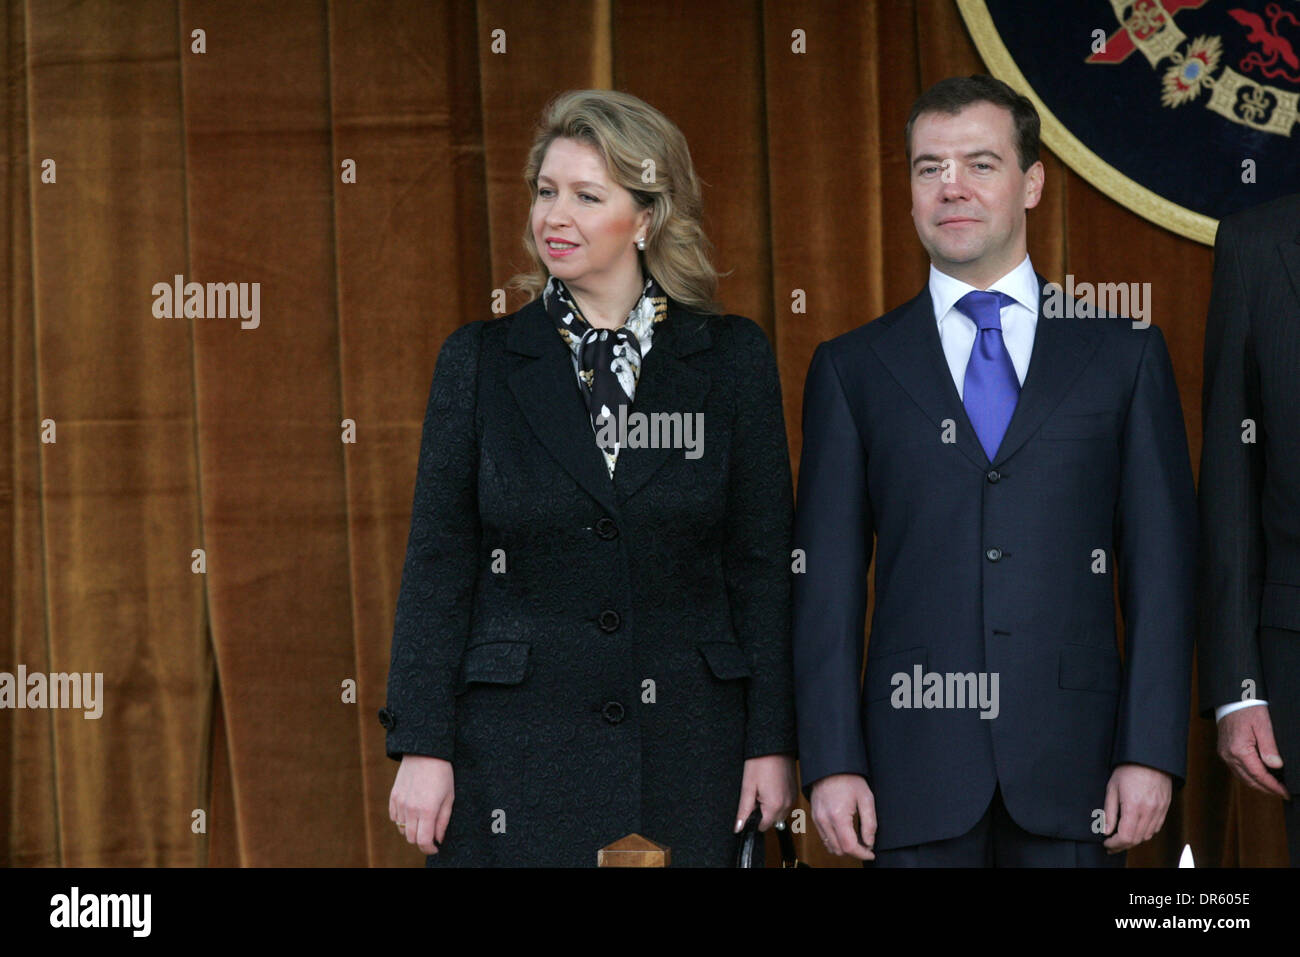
[{"x": 969, "y": 194}]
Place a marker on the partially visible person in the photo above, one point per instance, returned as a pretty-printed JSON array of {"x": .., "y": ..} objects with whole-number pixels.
[
  {"x": 1009, "y": 467},
  {"x": 1249, "y": 642},
  {"x": 592, "y": 636}
]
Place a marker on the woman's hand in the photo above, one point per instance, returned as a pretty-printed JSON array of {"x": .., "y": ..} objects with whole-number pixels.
[
  {"x": 769, "y": 782},
  {"x": 421, "y": 800}
]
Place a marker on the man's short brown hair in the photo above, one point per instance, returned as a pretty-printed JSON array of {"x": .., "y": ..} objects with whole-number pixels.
[{"x": 955, "y": 93}]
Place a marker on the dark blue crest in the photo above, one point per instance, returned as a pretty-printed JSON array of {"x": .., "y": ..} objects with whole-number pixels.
[{"x": 1182, "y": 110}]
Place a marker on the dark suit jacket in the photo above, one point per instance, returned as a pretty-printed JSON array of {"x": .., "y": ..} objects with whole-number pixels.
[
  {"x": 992, "y": 567},
  {"x": 635, "y": 649},
  {"x": 1250, "y": 491}
]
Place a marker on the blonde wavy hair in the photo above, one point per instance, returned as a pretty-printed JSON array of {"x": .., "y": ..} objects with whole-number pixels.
[{"x": 626, "y": 131}]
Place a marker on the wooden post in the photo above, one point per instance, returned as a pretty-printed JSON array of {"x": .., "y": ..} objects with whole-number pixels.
[{"x": 633, "y": 851}]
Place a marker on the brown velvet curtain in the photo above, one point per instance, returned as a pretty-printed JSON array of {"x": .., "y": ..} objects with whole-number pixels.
[{"x": 229, "y": 735}]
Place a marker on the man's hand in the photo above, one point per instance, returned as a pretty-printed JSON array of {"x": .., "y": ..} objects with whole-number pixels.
[
  {"x": 767, "y": 781},
  {"x": 1138, "y": 798},
  {"x": 1246, "y": 744},
  {"x": 835, "y": 800}
]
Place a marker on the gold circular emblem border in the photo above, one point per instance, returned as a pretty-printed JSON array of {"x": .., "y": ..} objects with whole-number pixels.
[{"x": 1070, "y": 149}]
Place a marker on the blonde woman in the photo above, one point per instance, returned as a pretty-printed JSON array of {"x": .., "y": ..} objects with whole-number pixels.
[{"x": 592, "y": 632}]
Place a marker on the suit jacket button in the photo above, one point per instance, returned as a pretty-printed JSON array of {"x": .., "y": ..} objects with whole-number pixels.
[
  {"x": 612, "y": 712},
  {"x": 993, "y": 554},
  {"x": 387, "y": 719},
  {"x": 609, "y": 620},
  {"x": 606, "y": 528},
  {"x": 994, "y": 475}
]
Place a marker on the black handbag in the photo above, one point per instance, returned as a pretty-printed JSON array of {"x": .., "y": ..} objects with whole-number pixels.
[{"x": 750, "y": 836}]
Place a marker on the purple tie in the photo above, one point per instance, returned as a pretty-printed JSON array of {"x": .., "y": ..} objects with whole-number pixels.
[{"x": 991, "y": 388}]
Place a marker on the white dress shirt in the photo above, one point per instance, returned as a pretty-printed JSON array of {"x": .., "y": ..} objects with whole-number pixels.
[
  {"x": 1223, "y": 709},
  {"x": 957, "y": 330}
]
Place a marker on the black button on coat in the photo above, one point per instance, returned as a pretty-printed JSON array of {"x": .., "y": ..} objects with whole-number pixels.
[{"x": 563, "y": 735}]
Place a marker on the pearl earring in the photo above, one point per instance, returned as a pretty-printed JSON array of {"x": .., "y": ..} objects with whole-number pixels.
[{"x": 640, "y": 243}]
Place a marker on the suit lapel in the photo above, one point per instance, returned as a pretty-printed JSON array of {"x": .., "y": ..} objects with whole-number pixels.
[
  {"x": 914, "y": 355},
  {"x": 547, "y": 391},
  {"x": 1290, "y": 252},
  {"x": 1062, "y": 347},
  {"x": 666, "y": 384},
  {"x": 548, "y": 394}
]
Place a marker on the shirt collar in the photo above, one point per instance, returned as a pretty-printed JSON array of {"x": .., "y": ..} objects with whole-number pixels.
[{"x": 1021, "y": 284}]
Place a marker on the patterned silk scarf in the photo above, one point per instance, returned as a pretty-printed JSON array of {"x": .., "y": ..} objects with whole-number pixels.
[{"x": 607, "y": 361}]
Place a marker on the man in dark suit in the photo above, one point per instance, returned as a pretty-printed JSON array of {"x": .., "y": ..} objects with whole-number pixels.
[
  {"x": 1011, "y": 462},
  {"x": 1250, "y": 502}
]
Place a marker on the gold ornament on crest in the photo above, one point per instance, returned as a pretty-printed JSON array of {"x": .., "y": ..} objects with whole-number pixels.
[{"x": 1191, "y": 72}]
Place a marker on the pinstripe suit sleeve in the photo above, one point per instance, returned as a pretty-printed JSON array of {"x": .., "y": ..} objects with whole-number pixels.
[{"x": 1232, "y": 539}]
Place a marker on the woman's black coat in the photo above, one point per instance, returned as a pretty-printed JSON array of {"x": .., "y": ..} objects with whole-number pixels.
[{"x": 595, "y": 657}]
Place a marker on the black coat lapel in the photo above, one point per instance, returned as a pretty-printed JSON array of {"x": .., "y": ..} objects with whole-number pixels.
[
  {"x": 666, "y": 385},
  {"x": 548, "y": 394},
  {"x": 547, "y": 391}
]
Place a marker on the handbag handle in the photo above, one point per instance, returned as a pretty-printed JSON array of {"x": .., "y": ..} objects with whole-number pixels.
[{"x": 751, "y": 835}]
